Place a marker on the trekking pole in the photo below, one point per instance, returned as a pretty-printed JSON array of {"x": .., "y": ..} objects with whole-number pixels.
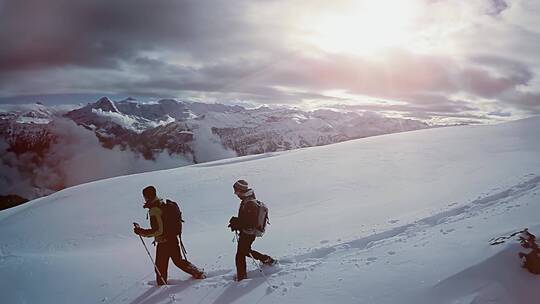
[
  {"x": 183, "y": 248},
  {"x": 150, "y": 256},
  {"x": 266, "y": 279}
]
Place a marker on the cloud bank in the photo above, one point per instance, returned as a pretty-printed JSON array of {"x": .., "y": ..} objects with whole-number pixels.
[
  {"x": 76, "y": 157},
  {"x": 472, "y": 59}
]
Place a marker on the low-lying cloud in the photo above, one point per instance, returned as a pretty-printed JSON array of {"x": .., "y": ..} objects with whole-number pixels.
[
  {"x": 76, "y": 157},
  {"x": 207, "y": 146}
]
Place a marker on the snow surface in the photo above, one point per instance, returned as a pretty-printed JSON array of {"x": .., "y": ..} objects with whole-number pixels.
[{"x": 400, "y": 218}]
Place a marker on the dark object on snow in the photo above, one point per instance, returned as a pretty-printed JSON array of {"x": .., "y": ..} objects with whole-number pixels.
[
  {"x": 12, "y": 200},
  {"x": 159, "y": 277},
  {"x": 252, "y": 214},
  {"x": 234, "y": 224},
  {"x": 240, "y": 186},
  {"x": 149, "y": 192},
  {"x": 172, "y": 223},
  {"x": 531, "y": 260},
  {"x": 258, "y": 217},
  {"x": 166, "y": 226},
  {"x": 502, "y": 239},
  {"x": 171, "y": 250},
  {"x": 248, "y": 224},
  {"x": 244, "y": 250},
  {"x": 172, "y": 219}
]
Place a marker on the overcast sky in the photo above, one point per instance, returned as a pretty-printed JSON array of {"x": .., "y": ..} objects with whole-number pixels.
[{"x": 430, "y": 59}]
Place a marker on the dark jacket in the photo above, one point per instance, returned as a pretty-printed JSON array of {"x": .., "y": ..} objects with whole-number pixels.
[{"x": 247, "y": 213}]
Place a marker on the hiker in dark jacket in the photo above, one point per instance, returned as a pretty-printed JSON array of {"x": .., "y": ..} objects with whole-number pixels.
[
  {"x": 245, "y": 223},
  {"x": 166, "y": 247}
]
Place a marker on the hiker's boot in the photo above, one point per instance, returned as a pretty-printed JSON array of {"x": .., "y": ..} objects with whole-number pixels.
[
  {"x": 199, "y": 276},
  {"x": 269, "y": 261},
  {"x": 240, "y": 277}
]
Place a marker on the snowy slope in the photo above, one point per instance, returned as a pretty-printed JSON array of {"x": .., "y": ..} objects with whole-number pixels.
[{"x": 401, "y": 218}]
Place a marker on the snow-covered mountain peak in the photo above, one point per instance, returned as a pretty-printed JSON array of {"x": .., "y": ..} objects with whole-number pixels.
[{"x": 104, "y": 104}]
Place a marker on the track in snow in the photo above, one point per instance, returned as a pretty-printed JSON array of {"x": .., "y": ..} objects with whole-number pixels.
[{"x": 220, "y": 286}]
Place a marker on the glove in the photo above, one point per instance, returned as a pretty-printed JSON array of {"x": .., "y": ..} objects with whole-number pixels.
[
  {"x": 234, "y": 223},
  {"x": 137, "y": 230}
]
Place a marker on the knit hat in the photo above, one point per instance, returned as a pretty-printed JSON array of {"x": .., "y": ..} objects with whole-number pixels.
[{"x": 240, "y": 186}]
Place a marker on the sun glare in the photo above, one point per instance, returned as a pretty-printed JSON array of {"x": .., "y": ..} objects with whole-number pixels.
[{"x": 363, "y": 27}]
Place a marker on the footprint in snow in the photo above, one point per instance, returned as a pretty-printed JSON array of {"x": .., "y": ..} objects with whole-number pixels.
[
  {"x": 371, "y": 260},
  {"x": 447, "y": 231},
  {"x": 393, "y": 221},
  {"x": 324, "y": 241},
  {"x": 297, "y": 284},
  {"x": 391, "y": 252}
]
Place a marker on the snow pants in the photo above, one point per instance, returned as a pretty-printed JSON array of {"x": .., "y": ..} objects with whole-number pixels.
[
  {"x": 171, "y": 249},
  {"x": 244, "y": 250}
]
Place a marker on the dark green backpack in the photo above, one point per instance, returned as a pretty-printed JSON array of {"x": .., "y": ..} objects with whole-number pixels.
[{"x": 172, "y": 219}]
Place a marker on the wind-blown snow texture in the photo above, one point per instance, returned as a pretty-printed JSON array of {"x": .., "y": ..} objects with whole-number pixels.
[{"x": 401, "y": 218}]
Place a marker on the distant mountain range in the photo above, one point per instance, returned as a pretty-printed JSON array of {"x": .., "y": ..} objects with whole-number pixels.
[{"x": 192, "y": 131}]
